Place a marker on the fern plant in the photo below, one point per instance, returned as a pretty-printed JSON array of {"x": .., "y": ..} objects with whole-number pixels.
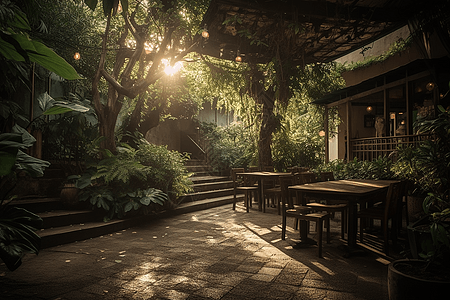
[{"x": 142, "y": 179}]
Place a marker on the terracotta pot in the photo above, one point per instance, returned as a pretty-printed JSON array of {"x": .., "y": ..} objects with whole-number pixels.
[
  {"x": 69, "y": 195},
  {"x": 402, "y": 286}
]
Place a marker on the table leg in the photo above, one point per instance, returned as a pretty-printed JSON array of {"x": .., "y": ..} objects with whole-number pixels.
[
  {"x": 260, "y": 195},
  {"x": 352, "y": 230},
  {"x": 352, "y": 225}
]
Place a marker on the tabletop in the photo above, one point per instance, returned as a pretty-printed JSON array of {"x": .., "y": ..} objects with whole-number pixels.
[
  {"x": 354, "y": 187},
  {"x": 264, "y": 174}
]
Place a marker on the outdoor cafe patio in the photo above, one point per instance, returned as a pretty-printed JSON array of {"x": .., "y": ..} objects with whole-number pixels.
[{"x": 215, "y": 253}]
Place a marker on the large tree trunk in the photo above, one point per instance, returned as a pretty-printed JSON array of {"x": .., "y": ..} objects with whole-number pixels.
[{"x": 268, "y": 126}]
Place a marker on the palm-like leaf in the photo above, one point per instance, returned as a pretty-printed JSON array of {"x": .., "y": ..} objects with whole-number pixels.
[{"x": 17, "y": 235}]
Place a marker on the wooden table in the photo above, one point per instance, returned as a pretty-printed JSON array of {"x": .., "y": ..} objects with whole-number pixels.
[
  {"x": 354, "y": 192},
  {"x": 260, "y": 177}
]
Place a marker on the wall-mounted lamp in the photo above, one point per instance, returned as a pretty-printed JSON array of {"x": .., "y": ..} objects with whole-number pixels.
[
  {"x": 77, "y": 56},
  {"x": 369, "y": 109}
]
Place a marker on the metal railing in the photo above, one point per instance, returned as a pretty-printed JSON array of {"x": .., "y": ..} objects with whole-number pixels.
[{"x": 371, "y": 148}]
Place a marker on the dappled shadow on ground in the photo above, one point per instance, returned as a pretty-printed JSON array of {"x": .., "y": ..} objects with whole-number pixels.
[{"x": 217, "y": 253}]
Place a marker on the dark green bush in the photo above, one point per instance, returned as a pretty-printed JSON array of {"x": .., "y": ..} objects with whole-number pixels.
[
  {"x": 229, "y": 147},
  {"x": 147, "y": 179},
  {"x": 380, "y": 168}
]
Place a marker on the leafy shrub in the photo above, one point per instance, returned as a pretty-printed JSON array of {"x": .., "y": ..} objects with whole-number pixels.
[
  {"x": 289, "y": 150},
  {"x": 380, "y": 168},
  {"x": 229, "y": 147},
  {"x": 143, "y": 179}
]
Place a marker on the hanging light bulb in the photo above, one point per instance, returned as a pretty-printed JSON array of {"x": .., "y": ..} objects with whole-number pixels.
[{"x": 77, "y": 56}]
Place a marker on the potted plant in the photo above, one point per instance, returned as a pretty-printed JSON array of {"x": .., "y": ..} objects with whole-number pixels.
[{"x": 429, "y": 276}]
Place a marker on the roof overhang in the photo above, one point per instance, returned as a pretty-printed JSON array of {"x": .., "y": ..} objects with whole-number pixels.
[
  {"x": 438, "y": 68},
  {"x": 305, "y": 31}
]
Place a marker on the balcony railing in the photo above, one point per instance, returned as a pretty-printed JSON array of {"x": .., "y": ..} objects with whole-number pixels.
[{"x": 372, "y": 148}]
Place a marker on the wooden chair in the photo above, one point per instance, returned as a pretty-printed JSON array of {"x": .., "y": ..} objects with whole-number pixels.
[
  {"x": 326, "y": 176},
  {"x": 301, "y": 213},
  {"x": 305, "y": 177},
  {"x": 270, "y": 187},
  {"x": 331, "y": 208},
  {"x": 241, "y": 184},
  {"x": 385, "y": 212}
]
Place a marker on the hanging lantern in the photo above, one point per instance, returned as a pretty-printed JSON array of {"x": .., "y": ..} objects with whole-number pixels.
[{"x": 77, "y": 56}]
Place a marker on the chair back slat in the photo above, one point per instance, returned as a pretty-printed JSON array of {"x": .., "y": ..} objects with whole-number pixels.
[
  {"x": 326, "y": 176},
  {"x": 305, "y": 177},
  {"x": 393, "y": 199}
]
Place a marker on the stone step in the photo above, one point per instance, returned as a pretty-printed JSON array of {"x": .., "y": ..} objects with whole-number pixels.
[
  {"x": 199, "y": 168},
  {"x": 39, "y": 204},
  {"x": 191, "y": 206},
  {"x": 209, "y": 178},
  {"x": 209, "y": 194},
  {"x": 66, "y": 217},
  {"x": 216, "y": 185},
  {"x": 64, "y": 224},
  {"x": 55, "y": 236}
]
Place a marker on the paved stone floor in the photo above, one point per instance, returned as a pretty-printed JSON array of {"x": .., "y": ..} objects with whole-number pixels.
[{"x": 216, "y": 253}]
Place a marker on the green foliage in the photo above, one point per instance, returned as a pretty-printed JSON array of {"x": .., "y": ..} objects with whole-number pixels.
[
  {"x": 432, "y": 157},
  {"x": 228, "y": 147},
  {"x": 15, "y": 44},
  {"x": 18, "y": 235},
  {"x": 17, "y": 225},
  {"x": 357, "y": 169},
  {"x": 297, "y": 142},
  {"x": 397, "y": 47},
  {"x": 135, "y": 179}
]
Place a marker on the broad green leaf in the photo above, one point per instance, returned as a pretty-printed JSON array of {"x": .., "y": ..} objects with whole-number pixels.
[
  {"x": 11, "y": 48},
  {"x": 45, "y": 101},
  {"x": 27, "y": 139},
  {"x": 53, "y": 62},
  {"x": 38, "y": 53},
  {"x": 128, "y": 206},
  {"x": 60, "y": 107},
  {"x": 56, "y": 110}
]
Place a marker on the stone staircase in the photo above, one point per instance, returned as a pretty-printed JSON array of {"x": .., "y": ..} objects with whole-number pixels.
[
  {"x": 64, "y": 225},
  {"x": 210, "y": 189}
]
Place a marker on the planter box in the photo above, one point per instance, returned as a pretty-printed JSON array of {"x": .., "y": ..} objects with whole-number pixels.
[{"x": 402, "y": 286}]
